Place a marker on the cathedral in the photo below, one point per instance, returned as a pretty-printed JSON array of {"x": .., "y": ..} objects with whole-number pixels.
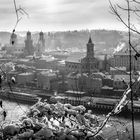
[
  {"x": 87, "y": 64},
  {"x": 27, "y": 48}
]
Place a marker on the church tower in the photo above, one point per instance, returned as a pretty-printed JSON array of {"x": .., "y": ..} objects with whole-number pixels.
[
  {"x": 105, "y": 63},
  {"x": 42, "y": 40},
  {"x": 29, "y": 49},
  {"x": 90, "y": 49},
  {"x": 13, "y": 39},
  {"x": 41, "y": 44},
  {"x": 89, "y": 63}
]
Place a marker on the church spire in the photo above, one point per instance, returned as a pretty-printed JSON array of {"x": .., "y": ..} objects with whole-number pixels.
[
  {"x": 90, "y": 48},
  {"x": 90, "y": 40}
]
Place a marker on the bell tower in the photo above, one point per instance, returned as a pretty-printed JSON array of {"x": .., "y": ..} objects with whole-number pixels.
[
  {"x": 29, "y": 44},
  {"x": 13, "y": 39},
  {"x": 41, "y": 40},
  {"x": 41, "y": 44},
  {"x": 90, "y": 49}
]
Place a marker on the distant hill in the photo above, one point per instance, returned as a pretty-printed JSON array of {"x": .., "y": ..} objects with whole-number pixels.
[
  {"x": 4, "y": 37},
  {"x": 105, "y": 40}
]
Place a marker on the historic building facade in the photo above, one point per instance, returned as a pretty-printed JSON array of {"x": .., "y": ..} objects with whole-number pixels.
[
  {"x": 40, "y": 48},
  {"x": 14, "y": 48},
  {"x": 29, "y": 49},
  {"x": 121, "y": 59},
  {"x": 87, "y": 64}
]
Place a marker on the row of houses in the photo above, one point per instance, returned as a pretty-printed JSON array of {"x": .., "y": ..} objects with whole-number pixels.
[
  {"x": 42, "y": 79},
  {"x": 97, "y": 81}
]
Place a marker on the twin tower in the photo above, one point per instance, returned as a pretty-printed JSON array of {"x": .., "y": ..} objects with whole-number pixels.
[
  {"x": 40, "y": 46},
  {"x": 29, "y": 48}
]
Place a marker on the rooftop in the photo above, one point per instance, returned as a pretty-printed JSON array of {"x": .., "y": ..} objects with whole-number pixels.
[
  {"x": 27, "y": 73},
  {"x": 98, "y": 75},
  {"x": 76, "y": 75},
  {"x": 76, "y": 58},
  {"x": 48, "y": 58},
  {"x": 75, "y": 92},
  {"x": 125, "y": 78},
  {"x": 48, "y": 73},
  {"x": 118, "y": 68}
]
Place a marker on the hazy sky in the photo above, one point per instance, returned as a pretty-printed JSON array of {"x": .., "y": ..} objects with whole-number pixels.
[{"x": 48, "y": 15}]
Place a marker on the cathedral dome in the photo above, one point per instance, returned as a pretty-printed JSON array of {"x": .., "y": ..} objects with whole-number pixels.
[{"x": 13, "y": 35}]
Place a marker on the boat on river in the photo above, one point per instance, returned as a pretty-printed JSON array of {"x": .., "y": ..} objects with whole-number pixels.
[{"x": 19, "y": 96}]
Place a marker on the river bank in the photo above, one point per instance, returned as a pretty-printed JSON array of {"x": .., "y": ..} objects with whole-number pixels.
[{"x": 114, "y": 129}]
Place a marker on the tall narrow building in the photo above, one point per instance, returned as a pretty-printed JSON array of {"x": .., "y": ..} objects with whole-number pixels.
[
  {"x": 40, "y": 45},
  {"x": 89, "y": 63},
  {"x": 90, "y": 49},
  {"x": 29, "y": 49},
  {"x": 13, "y": 39}
]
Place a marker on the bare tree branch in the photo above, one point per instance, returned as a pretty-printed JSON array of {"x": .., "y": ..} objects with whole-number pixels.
[
  {"x": 136, "y": 1},
  {"x": 114, "y": 10},
  {"x": 125, "y": 9},
  {"x": 129, "y": 26},
  {"x": 17, "y": 11},
  {"x": 136, "y": 13}
]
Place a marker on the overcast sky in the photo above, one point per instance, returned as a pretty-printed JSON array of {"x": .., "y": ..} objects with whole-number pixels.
[{"x": 54, "y": 15}]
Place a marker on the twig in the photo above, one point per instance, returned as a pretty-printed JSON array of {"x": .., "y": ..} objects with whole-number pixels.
[
  {"x": 115, "y": 12},
  {"x": 125, "y": 9},
  {"x": 17, "y": 11},
  {"x": 136, "y": 1}
]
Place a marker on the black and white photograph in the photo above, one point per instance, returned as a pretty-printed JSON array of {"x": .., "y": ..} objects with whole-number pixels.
[{"x": 70, "y": 70}]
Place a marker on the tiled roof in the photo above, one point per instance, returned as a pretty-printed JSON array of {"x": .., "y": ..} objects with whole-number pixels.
[
  {"x": 76, "y": 75},
  {"x": 98, "y": 75}
]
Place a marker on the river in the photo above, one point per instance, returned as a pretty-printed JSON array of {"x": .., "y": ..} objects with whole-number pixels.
[{"x": 14, "y": 110}]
